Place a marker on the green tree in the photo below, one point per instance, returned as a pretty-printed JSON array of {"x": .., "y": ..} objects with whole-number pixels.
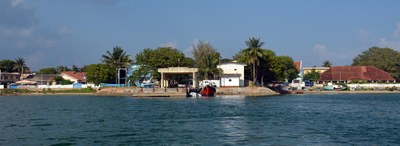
[
  {"x": 62, "y": 68},
  {"x": 283, "y": 68},
  {"x": 62, "y": 81},
  {"x": 7, "y": 65},
  {"x": 226, "y": 60},
  {"x": 75, "y": 68},
  {"x": 326, "y": 63},
  {"x": 271, "y": 67},
  {"x": 206, "y": 58},
  {"x": 20, "y": 65},
  {"x": 117, "y": 59},
  {"x": 313, "y": 75},
  {"x": 253, "y": 53},
  {"x": 49, "y": 70},
  {"x": 161, "y": 58},
  {"x": 209, "y": 65},
  {"x": 386, "y": 59},
  {"x": 200, "y": 50},
  {"x": 265, "y": 73},
  {"x": 99, "y": 73}
]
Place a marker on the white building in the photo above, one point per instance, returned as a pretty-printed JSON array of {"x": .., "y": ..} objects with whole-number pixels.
[{"x": 233, "y": 74}]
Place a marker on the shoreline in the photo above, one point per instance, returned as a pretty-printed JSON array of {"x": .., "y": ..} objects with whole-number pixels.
[{"x": 248, "y": 91}]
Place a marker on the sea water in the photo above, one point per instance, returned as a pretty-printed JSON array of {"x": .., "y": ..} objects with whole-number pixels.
[{"x": 343, "y": 119}]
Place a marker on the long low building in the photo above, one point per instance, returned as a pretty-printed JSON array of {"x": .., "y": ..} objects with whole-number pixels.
[{"x": 347, "y": 74}]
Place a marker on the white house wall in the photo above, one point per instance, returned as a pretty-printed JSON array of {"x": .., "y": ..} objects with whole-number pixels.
[
  {"x": 230, "y": 82},
  {"x": 234, "y": 68}
]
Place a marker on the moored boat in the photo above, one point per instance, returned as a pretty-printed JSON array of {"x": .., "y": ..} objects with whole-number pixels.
[{"x": 208, "y": 91}]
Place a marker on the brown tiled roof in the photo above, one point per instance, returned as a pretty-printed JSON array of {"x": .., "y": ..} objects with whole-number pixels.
[
  {"x": 81, "y": 76},
  {"x": 347, "y": 73},
  {"x": 297, "y": 64}
]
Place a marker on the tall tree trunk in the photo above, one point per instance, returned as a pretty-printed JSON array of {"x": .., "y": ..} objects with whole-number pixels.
[{"x": 254, "y": 73}]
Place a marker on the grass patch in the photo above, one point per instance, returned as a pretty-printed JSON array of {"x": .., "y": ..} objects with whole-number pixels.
[
  {"x": 12, "y": 91},
  {"x": 82, "y": 90}
]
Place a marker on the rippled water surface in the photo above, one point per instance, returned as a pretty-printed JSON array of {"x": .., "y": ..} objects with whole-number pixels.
[{"x": 358, "y": 119}]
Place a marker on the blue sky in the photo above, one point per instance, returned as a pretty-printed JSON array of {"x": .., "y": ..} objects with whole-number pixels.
[{"x": 48, "y": 33}]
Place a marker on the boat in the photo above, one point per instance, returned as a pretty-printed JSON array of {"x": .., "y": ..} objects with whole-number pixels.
[
  {"x": 331, "y": 86},
  {"x": 208, "y": 91}
]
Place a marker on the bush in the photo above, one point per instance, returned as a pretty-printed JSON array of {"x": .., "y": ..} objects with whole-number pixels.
[
  {"x": 12, "y": 91},
  {"x": 252, "y": 84},
  {"x": 391, "y": 88}
]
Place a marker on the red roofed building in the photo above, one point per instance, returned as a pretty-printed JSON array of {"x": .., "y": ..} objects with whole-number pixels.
[
  {"x": 298, "y": 65},
  {"x": 346, "y": 74},
  {"x": 77, "y": 77}
]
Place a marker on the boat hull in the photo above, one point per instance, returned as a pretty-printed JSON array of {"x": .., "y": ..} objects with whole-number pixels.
[{"x": 208, "y": 91}]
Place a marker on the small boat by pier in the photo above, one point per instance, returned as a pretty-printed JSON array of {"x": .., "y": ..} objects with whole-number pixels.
[{"x": 208, "y": 91}]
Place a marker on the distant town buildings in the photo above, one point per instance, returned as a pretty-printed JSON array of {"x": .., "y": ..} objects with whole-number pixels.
[
  {"x": 6, "y": 77},
  {"x": 43, "y": 79},
  {"x": 347, "y": 74}
]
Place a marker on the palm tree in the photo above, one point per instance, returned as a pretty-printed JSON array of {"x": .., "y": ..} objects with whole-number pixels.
[
  {"x": 75, "y": 68},
  {"x": 326, "y": 63},
  {"x": 62, "y": 68},
  {"x": 20, "y": 65},
  {"x": 117, "y": 59},
  {"x": 209, "y": 65},
  {"x": 253, "y": 53}
]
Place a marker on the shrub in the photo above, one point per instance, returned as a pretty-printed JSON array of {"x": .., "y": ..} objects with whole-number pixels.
[{"x": 391, "y": 88}]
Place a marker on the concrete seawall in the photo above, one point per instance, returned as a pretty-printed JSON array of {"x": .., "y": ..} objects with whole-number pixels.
[
  {"x": 246, "y": 91},
  {"x": 181, "y": 92}
]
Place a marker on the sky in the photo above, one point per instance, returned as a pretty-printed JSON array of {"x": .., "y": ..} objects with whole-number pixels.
[{"x": 49, "y": 33}]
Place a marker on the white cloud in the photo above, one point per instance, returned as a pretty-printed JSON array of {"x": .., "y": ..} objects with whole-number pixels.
[
  {"x": 16, "y": 32},
  {"x": 334, "y": 55},
  {"x": 188, "y": 50},
  {"x": 63, "y": 31},
  {"x": 394, "y": 44},
  {"x": 172, "y": 44},
  {"x": 322, "y": 51},
  {"x": 15, "y": 3},
  {"x": 46, "y": 43}
]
